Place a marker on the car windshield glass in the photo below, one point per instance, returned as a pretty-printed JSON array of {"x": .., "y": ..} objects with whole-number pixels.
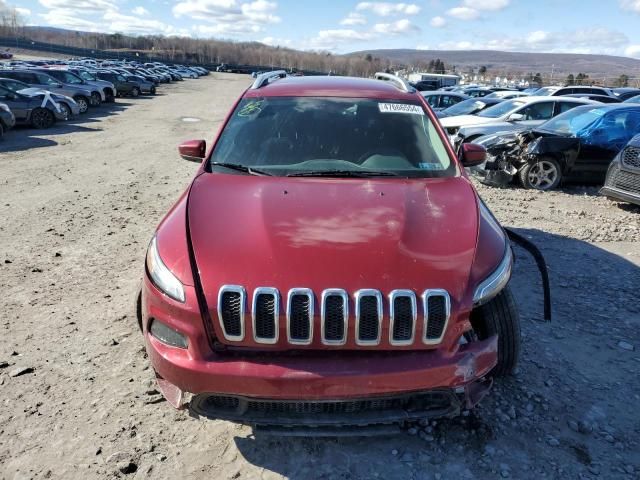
[
  {"x": 46, "y": 79},
  {"x": 573, "y": 121},
  {"x": 86, "y": 75},
  {"x": 465, "y": 107},
  {"x": 121, "y": 78},
  {"x": 635, "y": 99},
  {"x": 67, "y": 77},
  {"x": 285, "y": 136},
  {"x": 544, "y": 91},
  {"x": 14, "y": 85},
  {"x": 501, "y": 109}
]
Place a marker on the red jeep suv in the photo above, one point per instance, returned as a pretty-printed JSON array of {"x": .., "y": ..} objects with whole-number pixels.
[{"x": 330, "y": 265}]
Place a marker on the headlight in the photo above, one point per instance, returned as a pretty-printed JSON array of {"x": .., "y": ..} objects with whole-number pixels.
[
  {"x": 4, "y": 107},
  {"x": 494, "y": 283},
  {"x": 161, "y": 275}
]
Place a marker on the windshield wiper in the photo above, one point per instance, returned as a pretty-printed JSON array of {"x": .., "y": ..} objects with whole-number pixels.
[
  {"x": 343, "y": 173},
  {"x": 240, "y": 168}
]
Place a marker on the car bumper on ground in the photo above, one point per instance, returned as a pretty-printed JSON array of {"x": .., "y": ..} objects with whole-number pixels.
[
  {"x": 622, "y": 184},
  {"x": 411, "y": 383}
]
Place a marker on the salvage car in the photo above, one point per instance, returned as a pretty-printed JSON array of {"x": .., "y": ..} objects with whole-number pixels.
[
  {"x": 331, "y": 262},
  {"x": 7, "y": 119},
  {"x": 469, "y": 107},
  {"x": 521, "y": 115},
  {"x": 68, "y": 79},
  {"x": 68, "y": 105},
  {"x": 623, "y": 175},
  {"x": 441, "y": 100},
  {"x": 38, "y": 110},
  {"x": 577, "y": 147},
  {"x": 525, "y": 111},
  {"x": 573, "y": 89}
]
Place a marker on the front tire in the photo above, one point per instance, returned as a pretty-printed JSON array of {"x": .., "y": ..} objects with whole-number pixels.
[
  {"x": 66, "y": 110},
  {"x": 96, "y": 99},
  {"x": 500, "y": 317},
  {"x": 83, "y": 103},
  {"x": 545, "y": 174},
  {"x": 42, "y": 118},
  {"x": 135, "y": 92}
]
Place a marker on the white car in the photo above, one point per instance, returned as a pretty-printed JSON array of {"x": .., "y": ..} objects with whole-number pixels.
[
  {"x": 507, "y": 94},
  {"x": 523, "y": 112}
]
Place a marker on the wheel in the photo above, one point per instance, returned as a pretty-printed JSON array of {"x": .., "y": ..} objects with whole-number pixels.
[
  {"x": 500, "y": 317},
  {"x": 1, "y": 130},
  {"x": 83, "y": 103},
  {"x": 66, "y": 110},
  {"x": 96, "y": 99},
  {"x": 42, "y": 118},
  {"x": 542, "y": 175},
  {"x": 135, "y": 92},
  {"x": 152, "y": 90}
]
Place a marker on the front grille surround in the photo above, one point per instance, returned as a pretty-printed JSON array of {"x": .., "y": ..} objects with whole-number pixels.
[
  {"x": 395, "y": 294},
  {"x": 326, "y": 294},
  {"x": 425, "y": 308},
  {"x": 237, "y": 289},
  {"x": 359, "y": 296},
  {"x": 269, "y": 291},
  {"x": 294, "y": 292}
]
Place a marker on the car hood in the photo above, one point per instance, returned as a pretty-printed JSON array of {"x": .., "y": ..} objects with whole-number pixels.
[
  {"x": 323, "y": 233},
  {"x": 464, "y": 120}
]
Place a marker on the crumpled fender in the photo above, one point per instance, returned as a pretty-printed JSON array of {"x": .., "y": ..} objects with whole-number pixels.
[{"x": 563, "y": 149}]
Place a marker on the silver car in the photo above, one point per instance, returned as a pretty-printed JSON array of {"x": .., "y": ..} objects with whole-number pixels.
[
  {"x": 97, "y": 95},
  {"x": 109, "y": 89},
  {"x": 37, "y": 79}
]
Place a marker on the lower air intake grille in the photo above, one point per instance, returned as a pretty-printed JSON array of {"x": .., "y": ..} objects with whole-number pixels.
[
  {"x": 437, "y": 316},
  {"x": 265, "y": 311},
  {"x": 626, "y": 181},
  {"x": 231, "y": 313}
]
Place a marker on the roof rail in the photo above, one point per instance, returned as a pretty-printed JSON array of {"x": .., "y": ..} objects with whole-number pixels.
[
  {"x": 264, "y": 78},
  {"x": 400, "y": 83}
]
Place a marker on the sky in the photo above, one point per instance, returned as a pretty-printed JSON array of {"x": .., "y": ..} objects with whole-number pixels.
[{"x": 340, "y": 26}]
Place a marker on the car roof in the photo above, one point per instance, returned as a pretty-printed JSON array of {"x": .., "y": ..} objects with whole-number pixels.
[
  {"x": 325, "y": 86},
  {"x": 442, "y": 92}
]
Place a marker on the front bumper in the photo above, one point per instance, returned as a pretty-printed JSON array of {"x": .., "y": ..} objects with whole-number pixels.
[{"x": 622, "y": 183}]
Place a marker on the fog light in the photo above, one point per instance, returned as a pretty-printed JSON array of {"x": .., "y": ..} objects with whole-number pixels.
[{"x": 167, "y": 335}]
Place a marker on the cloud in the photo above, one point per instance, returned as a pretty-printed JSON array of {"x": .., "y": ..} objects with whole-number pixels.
[
  {"x": 23, "y": 12},
  {"x": 277, "y": 42},
  {"x": 353, "y": 19},
  {"x": 385, "y": 9},
  {"x": 463, "y": 13},
  {"x": 632, "y": 51},
  {"x": 632, "y": 5},
  {"x": 395, "y": 28},
  {"x": 79, "y": 6},
  {"x": 438, "y": 22},
  {"x": 228, "y": 17},
  {"x": 140, "y": 11},
  {"x": 491, "y": 5},
  {"x": 64, "y": 18}
]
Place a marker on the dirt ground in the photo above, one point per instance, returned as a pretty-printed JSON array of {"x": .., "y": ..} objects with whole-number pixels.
[{"x": 78, "y": 205}]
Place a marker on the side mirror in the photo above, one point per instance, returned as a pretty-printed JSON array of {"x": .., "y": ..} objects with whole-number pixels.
[
  {"x": 515, "y": 117},
  {"x": 193, "y": 150},
  {"x": 472, "y": 154}
]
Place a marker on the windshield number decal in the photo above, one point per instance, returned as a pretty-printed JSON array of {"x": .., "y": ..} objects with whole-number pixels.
[
  {"x": 251, "y": 108},
  {"x": 400, "y": 108}
]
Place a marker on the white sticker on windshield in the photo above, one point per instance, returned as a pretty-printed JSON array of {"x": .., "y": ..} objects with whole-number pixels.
[{"x": 400, "y": 108}]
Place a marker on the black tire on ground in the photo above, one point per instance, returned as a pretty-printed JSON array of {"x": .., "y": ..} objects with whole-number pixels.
[
  {"x": 83, "y": 103},
  {"x": 152, "y": 91},
  {"x": 546, "y": 174},
  {"x": 42, "y": 118},
  {"x": 500, "y": 317},
  {"x": 135, "y": 92},
  {"x": 66, "y": 110},
  {"x": 96, "y": 99},
  {"x": 1, "y": 130}
]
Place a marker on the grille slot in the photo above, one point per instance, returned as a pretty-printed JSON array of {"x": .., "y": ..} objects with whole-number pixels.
[
  {"x": 437, "y": 308},
  {"x": 631, "y": 157},
  {"x": 300, "y": 316},
  {"x": 265, "y": 315},
  {"x": 368, "y": 317},
  {"x": 231, "y": 301},
  {"x": 334, "y": 315},
  {"x": 403, "y": 314}
]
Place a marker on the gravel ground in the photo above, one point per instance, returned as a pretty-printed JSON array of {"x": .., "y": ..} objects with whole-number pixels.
[{"x": 78, "y": 205}]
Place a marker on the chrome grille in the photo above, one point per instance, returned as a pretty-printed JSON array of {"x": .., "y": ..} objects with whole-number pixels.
[
  {"x": 403, "y": 313},
  {"x": 334, "y": 315},
  {"x": 368, "y": 317},
  {"x": 231, "y": 301},
  {"x": 437, "y": 309},
  {"x": 264, "y": 314},
  {"x": 631, "y": 157},
  {"x": 335, "y": 327},
  {"x": 300, "y": 316}
]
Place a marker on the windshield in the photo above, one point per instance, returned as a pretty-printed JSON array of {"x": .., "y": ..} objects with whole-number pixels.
[
  {"x": 466, "y": 107},
  {"x": 635, "y": 99},
  {"x": 572, "y": 122},
  {"x": 121, "y": 78},
  {"x": 283, "y": 136},
  {"x": 545, "y": 91},
  {"x": 501, "y": 109},
  {"x": 86, "y": 75},
  {"x": 66, "y": 77},
  {"x": 14, "y": 85}
]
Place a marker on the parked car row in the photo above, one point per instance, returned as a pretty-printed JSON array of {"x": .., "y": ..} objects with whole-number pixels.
[{"x": 40, "y": 93}]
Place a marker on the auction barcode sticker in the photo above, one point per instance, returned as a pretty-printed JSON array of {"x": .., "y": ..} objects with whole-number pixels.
[{"x": 400, "y": 108}]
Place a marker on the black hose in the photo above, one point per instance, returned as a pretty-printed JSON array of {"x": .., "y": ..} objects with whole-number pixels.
[{"x": 542, "y": 266}]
